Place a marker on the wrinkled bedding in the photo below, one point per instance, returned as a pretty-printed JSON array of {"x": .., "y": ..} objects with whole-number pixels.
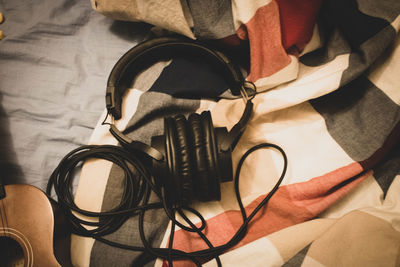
[
  {"x": 54, "y": 62},
  {"x": 329, "y": 96}
]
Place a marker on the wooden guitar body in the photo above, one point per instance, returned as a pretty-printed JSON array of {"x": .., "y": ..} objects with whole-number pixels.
[{"x": 26, "y": 228}]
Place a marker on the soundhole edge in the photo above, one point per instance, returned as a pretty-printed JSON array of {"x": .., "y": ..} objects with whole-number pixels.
[{"x": 11, "y": 252}]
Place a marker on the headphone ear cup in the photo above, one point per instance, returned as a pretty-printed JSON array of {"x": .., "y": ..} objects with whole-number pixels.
[
  {"x": 184, "y": 159},
  {"x": 210, "y": 144},
  {"x": 171, "y": 180},
  {"x": 192, "y": 158},
  {"x": 200, "y": 176}
]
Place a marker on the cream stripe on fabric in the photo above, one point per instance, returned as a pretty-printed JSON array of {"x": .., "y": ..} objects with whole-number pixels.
[
  {"x": 291, "y": 240},
  {"x": 90, "y": 193},
  {"x": 314, "y": 43},
  {"x": 357, "y": 239},
  {"x": 311, "y": 82},
  {"x": 390, "y": 208},
  {"x": 258, "y": 253},
  {"x": 396, "y": 24},
  {"x": 310, "y": 262},
  {"x": 205, "y": 105}
]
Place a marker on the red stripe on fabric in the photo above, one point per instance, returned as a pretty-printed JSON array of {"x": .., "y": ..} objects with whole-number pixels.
[
  {"x": 291, "y": 204},
  {"x": 297, "y": 19},
  {"x": 267, "y": 54}
]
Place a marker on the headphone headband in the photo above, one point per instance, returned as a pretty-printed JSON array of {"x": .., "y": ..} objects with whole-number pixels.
[{"x": 149, "y": 52}]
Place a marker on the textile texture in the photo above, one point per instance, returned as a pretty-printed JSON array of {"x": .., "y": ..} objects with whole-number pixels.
[
  {"x": 327, "y": 73},
  {"x": 54, "y": 62}
]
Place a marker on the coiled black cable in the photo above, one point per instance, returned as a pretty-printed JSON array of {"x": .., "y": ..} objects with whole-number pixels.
[{"x": 135, "y": 202}]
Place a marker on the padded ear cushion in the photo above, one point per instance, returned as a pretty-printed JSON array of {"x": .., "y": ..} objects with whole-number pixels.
[
  {"x": 201, "y": 173},
  {"x": 184, "y": 160},
  {"x": 192, "y": 158},
  {"x": 210, "y": 145},
  {"x": 172, "y": 180}
]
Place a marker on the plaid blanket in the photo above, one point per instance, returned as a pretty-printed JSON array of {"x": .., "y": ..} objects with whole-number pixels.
[{"x": 328, "y": 76}]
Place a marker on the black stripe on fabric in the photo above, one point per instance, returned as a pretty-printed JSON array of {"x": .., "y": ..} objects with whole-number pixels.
[
  {"x": 359, "y": 117},
  {"x": 190, "y": 78},
  {"x": 367, "y": 53},
  {"x": 356, "y": 26},
  {"x": 297, "y": 260},
  {"x": 346, "y": 29},
  {"x": 213, "y": 19},
  {"x": 385, "y": 172}
]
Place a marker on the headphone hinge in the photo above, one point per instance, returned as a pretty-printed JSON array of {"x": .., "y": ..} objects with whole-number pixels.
[
  {"x": 113, "y": 102},
  {"x": 110, "y": 99}
]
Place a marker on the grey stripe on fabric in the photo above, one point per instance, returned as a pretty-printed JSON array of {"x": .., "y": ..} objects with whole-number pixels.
[
  {"x": 213, "y": 19},
  {"x": 367, "y": 53},
  {"x": 146, "y": 122},
  {"x": 297, "y": 260},
  {"x": 359, "y": 116},
  {"x": 388, "y": 9},
  {"x": 336, "y": 45}
]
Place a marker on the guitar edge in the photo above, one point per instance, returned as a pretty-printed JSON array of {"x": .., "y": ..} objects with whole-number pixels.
[{"x": 27, "y": 217}]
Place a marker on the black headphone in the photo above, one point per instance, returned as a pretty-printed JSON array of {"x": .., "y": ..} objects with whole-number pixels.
[{"x": 192, "y": 157}]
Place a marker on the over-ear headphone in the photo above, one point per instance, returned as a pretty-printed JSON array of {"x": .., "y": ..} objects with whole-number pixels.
[{"x": 192, "y": 157}]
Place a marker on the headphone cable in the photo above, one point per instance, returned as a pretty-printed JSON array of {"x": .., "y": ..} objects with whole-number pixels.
[{"x": 138, "y": 185}]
